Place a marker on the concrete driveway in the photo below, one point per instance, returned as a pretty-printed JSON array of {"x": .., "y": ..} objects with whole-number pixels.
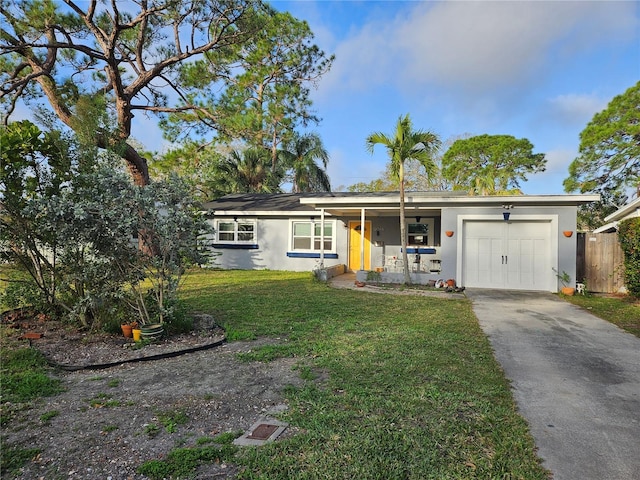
[{"x": 575, "y": 378}]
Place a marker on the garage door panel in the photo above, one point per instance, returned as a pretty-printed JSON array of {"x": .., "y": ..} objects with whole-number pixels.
[{"x": 511, "y": 255}]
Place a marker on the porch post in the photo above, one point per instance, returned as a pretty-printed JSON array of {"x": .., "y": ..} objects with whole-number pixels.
[
  {"x": 362, "y": 227},
  {"x": 322, "y": 238}
]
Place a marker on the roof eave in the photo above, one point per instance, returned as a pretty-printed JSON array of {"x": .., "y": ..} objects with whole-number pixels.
[
  {"x": 625, "y": 211},
  {"x": 431, "y": 201}
]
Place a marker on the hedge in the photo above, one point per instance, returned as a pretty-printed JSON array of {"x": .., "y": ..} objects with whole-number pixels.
[{"x": 629, "y": 237}]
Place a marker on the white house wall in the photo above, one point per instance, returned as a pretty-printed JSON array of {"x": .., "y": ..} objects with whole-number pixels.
[{"x": 273, "y": 244}]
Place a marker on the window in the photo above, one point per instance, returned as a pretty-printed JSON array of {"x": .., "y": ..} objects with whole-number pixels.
[
  {"x": 236, "y": 231},
  {"x": 420, "y": 234},
  {"x": 306, "y": 236}
]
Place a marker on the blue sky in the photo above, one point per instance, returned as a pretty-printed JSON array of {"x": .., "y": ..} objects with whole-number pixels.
[{"x": 538, "y": 70}]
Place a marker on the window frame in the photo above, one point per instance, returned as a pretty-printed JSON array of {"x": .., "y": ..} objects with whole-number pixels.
[
  {"x": 313, "y": 237},
  {"x": 430, "y": 223},
  {"x": 236, "y": 231}
]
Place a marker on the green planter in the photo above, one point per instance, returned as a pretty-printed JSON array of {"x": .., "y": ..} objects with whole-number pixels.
[{"x": 152, "y": 332}]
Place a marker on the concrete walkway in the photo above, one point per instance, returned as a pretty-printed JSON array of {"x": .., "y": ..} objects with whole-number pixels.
[{"x": 575, "y": 378}]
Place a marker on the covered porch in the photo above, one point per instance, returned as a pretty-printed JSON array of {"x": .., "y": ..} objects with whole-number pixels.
[{"x": 373, "y": 234}]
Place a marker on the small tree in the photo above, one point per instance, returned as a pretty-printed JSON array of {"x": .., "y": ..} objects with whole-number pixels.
[
  {"x": 176, "y": 224},
  {"x": 65, "y": 220},
  {"x": 406, "y": 144},
  {"x": 301, "y": 155}
]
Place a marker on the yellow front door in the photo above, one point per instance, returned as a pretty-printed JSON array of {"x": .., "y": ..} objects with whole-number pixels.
[{"x": 355, "y": 235}]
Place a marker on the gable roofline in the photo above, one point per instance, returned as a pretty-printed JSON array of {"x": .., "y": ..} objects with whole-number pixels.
[{"x": 625, "y": 211}]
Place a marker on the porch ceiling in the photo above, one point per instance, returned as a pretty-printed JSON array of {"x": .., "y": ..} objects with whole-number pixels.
[{"x": 383, "y": 211}]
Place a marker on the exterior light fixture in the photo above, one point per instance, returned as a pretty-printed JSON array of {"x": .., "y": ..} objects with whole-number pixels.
[{"x": 506, "y": 214}]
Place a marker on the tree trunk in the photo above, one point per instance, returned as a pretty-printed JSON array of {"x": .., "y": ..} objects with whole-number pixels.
[
  {"x": 403, "y": 229},
  {"x": 137, "y": 166}
]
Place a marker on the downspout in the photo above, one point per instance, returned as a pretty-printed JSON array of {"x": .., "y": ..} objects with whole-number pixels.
[{"x": 362, "y": 233}]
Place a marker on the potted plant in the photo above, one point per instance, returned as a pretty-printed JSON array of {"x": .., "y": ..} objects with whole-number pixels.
[
  {"x": 127, "y": 329},
  {"x": 565, "y": 279}
]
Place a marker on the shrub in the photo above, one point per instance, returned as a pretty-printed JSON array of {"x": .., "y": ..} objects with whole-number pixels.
[
  {"x": 69, "y": 220},
  {"x": 629, "y": 237},
  {"x": 21, "y": 291}
]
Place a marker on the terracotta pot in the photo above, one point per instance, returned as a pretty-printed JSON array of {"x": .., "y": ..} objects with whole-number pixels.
[
  {"x": 569, "y": 291},
  {"x": 567, "y": 233},
  {"x": 451, "y": 282},
  {"x": 127, "y": 330},
  {"x": 449, "y": 233}
]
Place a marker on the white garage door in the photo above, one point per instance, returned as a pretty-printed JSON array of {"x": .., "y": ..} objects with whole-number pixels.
[{"x": 513, "y": 255}]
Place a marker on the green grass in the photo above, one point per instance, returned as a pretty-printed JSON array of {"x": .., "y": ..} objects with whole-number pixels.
[
  {"x": 103, "y": 400},
  {"x": 13, "y": 458},
  {"x": 181, "y": 462},
  {"x": 621, "y": 311},
  {"x": 46, "y": 418},
  {"x": 171, "y": 419},
  {"x": 24, "y": 377},
  {"x": 413, "y": 390}
]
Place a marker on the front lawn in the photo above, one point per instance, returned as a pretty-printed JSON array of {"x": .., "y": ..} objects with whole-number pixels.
[
  {"x": 623, "y": 311},
  {"x": 409, "y": 390}
]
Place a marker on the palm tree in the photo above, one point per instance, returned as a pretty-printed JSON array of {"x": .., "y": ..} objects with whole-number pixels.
[
  {"x": 406, "y": 144},
  {"x": 248, "y": 171},
  {"x": 301, "y": 154}
]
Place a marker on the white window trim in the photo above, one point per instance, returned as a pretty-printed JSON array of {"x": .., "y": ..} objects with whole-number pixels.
[
  {"x": 315, "y": 222},
  {"x": 237, "y": 222}
]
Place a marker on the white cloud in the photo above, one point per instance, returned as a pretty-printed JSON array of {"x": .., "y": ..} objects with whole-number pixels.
[
  {"x": 558, "y": 160},
  {"x": 476, "y": 46},
  {"x": 574, "y": 109}
]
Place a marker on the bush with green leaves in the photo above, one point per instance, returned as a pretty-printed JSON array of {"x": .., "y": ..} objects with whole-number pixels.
[
  {"x": 21, "y": 291},
  {"x": 172, "y": 224},
  {"x": 629, "y": 237},
  {"x": 69, "y": 220}
]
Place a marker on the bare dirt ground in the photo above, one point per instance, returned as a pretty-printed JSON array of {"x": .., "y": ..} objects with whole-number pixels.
[{"x": 109, "y": 421}]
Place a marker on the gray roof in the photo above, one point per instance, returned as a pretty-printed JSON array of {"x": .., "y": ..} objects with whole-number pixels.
[
  {"x": 286, "y": 202},
  {"x": 272, "y": 202}
]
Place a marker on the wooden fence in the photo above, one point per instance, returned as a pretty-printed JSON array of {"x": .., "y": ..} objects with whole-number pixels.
[{"x": 600, "y": 262}]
